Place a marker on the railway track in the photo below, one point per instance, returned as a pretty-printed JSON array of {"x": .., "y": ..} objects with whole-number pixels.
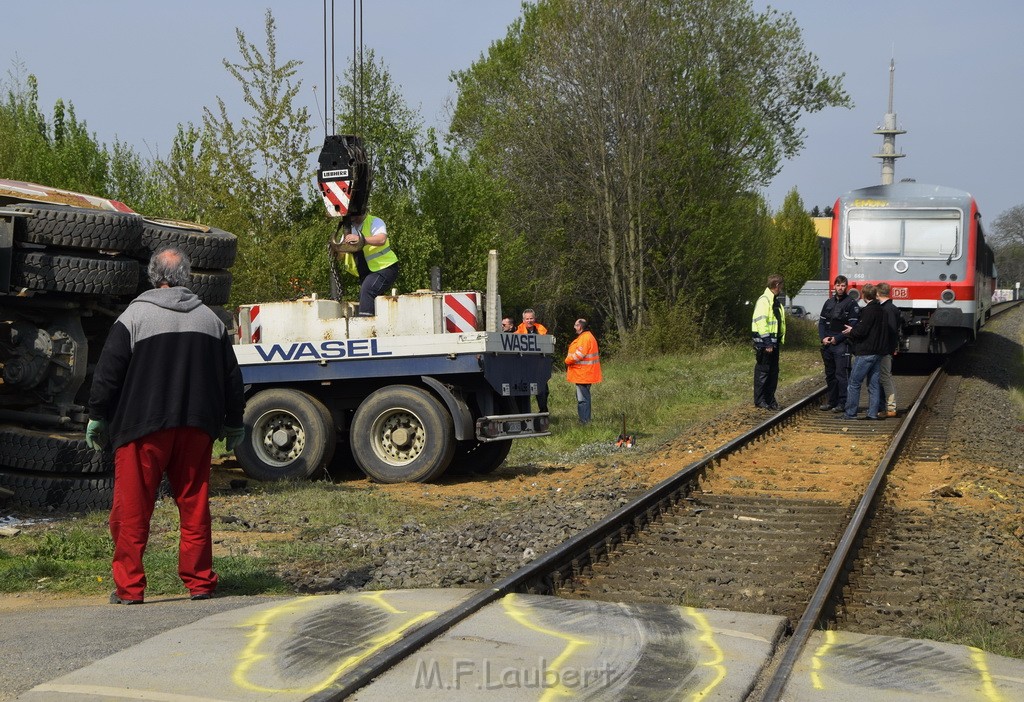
[
  {"x": 776, "y": 521},
  {"x": 754, "y": 526},
  {"x": 758, "y": 529}
]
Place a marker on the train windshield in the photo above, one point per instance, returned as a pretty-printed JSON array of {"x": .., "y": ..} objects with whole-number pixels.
[{"x": 883, "y": 233}]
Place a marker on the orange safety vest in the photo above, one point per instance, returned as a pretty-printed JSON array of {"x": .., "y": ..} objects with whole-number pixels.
[
  {"x": 541, "y": 329},
  {"x": 583, "y": 362}
]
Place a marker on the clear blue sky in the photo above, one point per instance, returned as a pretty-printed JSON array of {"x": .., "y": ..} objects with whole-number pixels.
[{"x": 134, "y": 69}]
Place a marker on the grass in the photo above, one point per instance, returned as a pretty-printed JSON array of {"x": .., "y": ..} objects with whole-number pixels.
[
  {"x": 659, "y": 397},
  {"x": 965, "y": 624},
  {"x": 280, "y": 527}
]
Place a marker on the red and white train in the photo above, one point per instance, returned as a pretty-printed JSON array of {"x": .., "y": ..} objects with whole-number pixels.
[{"x": 928, "y": 243}]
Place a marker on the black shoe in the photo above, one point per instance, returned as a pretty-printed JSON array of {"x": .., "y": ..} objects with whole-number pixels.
[
  {"x": 114, "y": 599},
  {"x": 867, "y": 417},
  {"x": 775, "y": 406},
  {"x": 827, "y": 407},
  {"x": 763, "y": 406},
  {"x": 201, "y": 596},
  {"x": 839, "y": 408}
]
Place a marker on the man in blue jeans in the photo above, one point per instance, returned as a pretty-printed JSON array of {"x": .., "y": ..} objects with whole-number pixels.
[{"x": 868, "y": 341}]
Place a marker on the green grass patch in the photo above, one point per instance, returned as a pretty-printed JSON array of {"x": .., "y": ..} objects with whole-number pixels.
[
  {"x": 659, "y": 397},
  {"x": 962, "y": 623}
]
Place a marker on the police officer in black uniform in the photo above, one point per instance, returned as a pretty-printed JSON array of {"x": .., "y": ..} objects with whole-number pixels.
[{"x": 839, "y": 311}]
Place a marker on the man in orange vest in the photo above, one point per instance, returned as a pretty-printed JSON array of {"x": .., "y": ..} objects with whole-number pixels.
[
  {"x": 583, "y": 367},
  {"x": 530, "y": 325}
]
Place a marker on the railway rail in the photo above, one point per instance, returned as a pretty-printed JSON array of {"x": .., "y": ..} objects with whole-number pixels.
[
  {"x": 767, "y": 537},
  {"x": 737, "y": 529}
]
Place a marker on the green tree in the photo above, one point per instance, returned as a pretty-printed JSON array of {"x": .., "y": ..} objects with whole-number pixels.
[
  {"x": 794, "y": 244},
  {"x": 629, "y": 134},
  {"x": 462, "y": 206},
  {"x": 249, "y": 175},
  {"x": 58, "y": 152},
  {"x": 1007, "y": 241}
]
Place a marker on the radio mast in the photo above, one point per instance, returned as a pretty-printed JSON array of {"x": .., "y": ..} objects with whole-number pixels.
[{"x": 889, "y": 131}]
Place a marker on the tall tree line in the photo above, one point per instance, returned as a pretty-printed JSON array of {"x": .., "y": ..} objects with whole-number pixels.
[{"x": 611, "y": 150}]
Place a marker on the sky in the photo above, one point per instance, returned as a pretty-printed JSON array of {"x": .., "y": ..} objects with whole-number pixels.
[{"x": 135, "y": 69}]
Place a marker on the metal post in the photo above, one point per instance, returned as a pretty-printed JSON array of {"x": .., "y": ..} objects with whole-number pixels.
[{"x": 493, "y": 306}]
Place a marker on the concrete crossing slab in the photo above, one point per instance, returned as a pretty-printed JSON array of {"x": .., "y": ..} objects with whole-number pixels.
[{"x": 521, "y": 647}]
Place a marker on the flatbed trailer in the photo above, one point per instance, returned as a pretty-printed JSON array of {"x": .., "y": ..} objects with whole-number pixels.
[{"x": 403, "y": 393}]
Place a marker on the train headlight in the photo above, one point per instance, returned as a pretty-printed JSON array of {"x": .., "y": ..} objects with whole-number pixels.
[{"x": 948, "y": 296}]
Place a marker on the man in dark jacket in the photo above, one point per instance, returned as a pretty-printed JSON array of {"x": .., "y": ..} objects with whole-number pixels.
[
  {"x": 166, "y": 385},
  {"x": 868, "y": 339},
  {"x": 838, "y": 312},
  {"x": 893, "y": 322}
]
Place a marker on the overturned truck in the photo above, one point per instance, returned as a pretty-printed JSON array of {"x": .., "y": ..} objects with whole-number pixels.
[{"x": 69, "y": 265}]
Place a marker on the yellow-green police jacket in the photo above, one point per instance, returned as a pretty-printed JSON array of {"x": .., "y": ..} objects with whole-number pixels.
[{"x": 766, "y": 328}]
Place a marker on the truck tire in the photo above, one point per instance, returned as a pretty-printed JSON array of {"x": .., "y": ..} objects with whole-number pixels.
[
  {"x": 39, "y": 270},
  {"x": 30, "y": 449},
  {"x": 479, "y": 457},
  {"x": 78, "y": 227},
  {"x": 402, "y": 433},
  {"x": 206, "y": 247},
  {"x": 287, "y": 437},
  {"x": 212, "y": 287},
  {"x": 62, "y": 493}
]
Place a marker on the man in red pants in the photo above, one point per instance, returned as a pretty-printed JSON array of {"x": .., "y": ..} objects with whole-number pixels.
[{"x": 166, "y": 384}]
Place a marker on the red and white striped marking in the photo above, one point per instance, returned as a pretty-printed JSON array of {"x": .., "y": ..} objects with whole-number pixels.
[
  {"x": 460, "y": 311},
  {"x": 336, "y": 197},
  {"x": 255, "y": 325}
]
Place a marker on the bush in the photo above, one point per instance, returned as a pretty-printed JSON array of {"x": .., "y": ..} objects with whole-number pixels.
[
  {"x": 801, "y": 333},
  {"x": 668, "y": 329}
]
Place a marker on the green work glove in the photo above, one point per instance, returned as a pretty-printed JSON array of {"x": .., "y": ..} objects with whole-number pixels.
[
  {"x": 96, "y": 434},
  {"x": 232, "y": 437}
]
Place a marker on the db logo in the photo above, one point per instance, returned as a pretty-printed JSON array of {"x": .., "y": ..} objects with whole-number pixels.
[{"x": 900, "y": 293}]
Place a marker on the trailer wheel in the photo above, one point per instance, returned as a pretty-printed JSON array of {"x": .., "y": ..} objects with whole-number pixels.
[
  {"x": 288, "y": 436},
  {"x": 479, "y": 457},
  {"x": 401, "y": 434}
]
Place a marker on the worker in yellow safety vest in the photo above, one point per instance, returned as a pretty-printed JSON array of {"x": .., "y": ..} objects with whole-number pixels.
[
  {"x": 768, "y": 329},
  {"x": 367, "y": 254}
]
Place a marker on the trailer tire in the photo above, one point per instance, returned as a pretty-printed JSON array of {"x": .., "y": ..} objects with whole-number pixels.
[
  {"x": 61, "y": 493},
  {"x": 479, "y": 457},
  {"x": 288, "y": 436},
  {"x": 39, "y": 270},
  {"x": 206, "y": 247},
  {"x": 34, "y": 450},
  {"x": 402, "y": 433},
  {"x": 78, "y": 227}
]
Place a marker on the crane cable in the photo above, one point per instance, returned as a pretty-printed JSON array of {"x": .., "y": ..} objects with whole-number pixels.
[{"x": 358, "y": 100}]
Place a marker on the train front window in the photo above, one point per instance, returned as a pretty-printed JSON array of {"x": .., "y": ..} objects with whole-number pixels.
[{"x": 886, "y": 233}]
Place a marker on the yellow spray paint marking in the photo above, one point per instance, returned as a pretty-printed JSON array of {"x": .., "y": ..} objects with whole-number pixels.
[
  {"x": 521, "y": 614},
  {"x": 987, "y": 688},
  {"x": 817, "y": 660},
  {"x": 707, "y": 637},
  {"x": 260, "y": 624}
]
